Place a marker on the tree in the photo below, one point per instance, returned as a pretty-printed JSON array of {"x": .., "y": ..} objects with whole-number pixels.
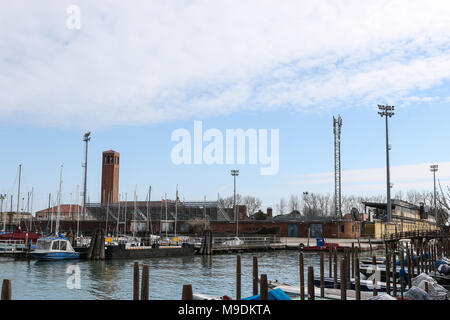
[
  {"x": 227, "y": 203},
  {"x": 294, "y": 203},
  {"x": 281, "y": 206},
  {"x": 443, "y": 199},
  {"x": 259, "y": 216},
  {"x": 252, "y": 204}
]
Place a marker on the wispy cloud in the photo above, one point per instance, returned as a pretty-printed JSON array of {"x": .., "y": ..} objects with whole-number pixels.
[
  {"x": 405, "y": 177},
  {"x": 145, "y": 62}
]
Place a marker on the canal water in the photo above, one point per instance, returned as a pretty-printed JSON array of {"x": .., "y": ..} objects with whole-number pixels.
[{"x": 113, "y": 279}]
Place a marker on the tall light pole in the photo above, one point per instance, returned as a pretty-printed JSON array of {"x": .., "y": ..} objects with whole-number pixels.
[
  {"x": 387, "y": 112},
  {"x": 434, "y": 168},
  {"x": 235, "y": 173},
  {"x": 86, "y": 139}
]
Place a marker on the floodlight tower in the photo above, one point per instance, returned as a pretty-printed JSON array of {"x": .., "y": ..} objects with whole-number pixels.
[
  {"x": 337, "y": 125},
  {"x": 86, "y": 139},
  {"x": 387, "y": 112},
  {"x": 235, "y": 173},
  {"x": 434, "y": 168}
]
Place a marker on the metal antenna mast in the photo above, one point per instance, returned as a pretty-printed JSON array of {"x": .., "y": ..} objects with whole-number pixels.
[{"x": 337, "y": 125}]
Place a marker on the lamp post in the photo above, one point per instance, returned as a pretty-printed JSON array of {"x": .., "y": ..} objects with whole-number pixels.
[
  {"x": 387, "y": 112},
  {"x": 86, "y": 139},
  {"x": 434, "y": 168},
  {"x": 235, "y": 173}
]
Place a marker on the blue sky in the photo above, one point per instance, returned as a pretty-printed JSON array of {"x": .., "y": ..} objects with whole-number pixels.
[{"x": 132, "y": 74}]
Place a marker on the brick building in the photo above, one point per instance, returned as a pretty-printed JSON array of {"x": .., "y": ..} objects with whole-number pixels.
[{"x": 67, "y": 212}]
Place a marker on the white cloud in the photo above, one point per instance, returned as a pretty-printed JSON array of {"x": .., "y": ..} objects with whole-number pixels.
[
  {"x": 144, "y": 62},
  {"x": 404, "y": 177}
]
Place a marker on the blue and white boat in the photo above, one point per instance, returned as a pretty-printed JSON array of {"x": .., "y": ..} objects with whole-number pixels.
[{"x": 54, "y": 248}]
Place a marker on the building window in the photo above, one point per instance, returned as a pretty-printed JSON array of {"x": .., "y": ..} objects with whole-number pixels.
[{"x": 342, "y": 228}]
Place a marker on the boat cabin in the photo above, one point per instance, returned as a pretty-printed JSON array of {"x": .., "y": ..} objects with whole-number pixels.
[{"x": 54, "y": 244}]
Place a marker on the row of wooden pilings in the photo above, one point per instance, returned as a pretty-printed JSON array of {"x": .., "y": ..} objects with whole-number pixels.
[{"x": 348, "y": 265}]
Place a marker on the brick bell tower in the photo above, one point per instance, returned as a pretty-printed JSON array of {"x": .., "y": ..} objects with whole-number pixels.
[{"x": 110, "y": 177}]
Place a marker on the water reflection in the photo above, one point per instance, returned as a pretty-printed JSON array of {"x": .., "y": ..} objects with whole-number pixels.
[{"x": 113, "y": 279}]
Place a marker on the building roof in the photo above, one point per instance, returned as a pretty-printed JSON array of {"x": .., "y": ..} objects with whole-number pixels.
[
  {"x": 110, "y": 151},
  {"x": 394, "y": 203},
  {"x": 65, "y": 208}
]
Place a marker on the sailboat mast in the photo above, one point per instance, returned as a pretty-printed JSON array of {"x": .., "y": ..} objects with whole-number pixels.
[
  {"x": 107, "y": 214},
  {"x": 148, "y": 200},
  {"x": 125, "y": 219},
  {"x": 167, "y": 225},
  {"x": 78, "y": 211},
  {"x": 59, "y": 202},
  {"x": 176, "y": 212},
  {"x": 118, "y": 218},
  {"x": 204, "y": 210},
  {"x": 18, "y": 189},
  {"x": 134, "y": 214},
  {"x": 31, "y": 210},
  {"x": 160, "y": 218}
]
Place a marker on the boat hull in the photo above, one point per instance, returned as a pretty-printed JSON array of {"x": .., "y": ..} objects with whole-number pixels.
[{"x": 50, "y": 256}]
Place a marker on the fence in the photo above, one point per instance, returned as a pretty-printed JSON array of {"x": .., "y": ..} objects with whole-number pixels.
[{"x": 12, "y": 245}]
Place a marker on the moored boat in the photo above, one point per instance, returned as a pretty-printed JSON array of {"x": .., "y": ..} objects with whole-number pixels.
[{"x": 54, "y": 248}]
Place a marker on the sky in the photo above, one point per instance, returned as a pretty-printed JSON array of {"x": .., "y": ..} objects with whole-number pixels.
[{"x": 134, "y": 72}]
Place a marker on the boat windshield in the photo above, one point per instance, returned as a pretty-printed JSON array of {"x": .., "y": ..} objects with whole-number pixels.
[{"x": 43, "y": 244}]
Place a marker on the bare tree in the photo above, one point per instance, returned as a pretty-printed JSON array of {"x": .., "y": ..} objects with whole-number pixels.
[
  {"x": 444, "y": 202},
  {"x": 294, "y": 203},
  {"x": 281, "y": 206},
  {"x": 227, "y": 203},
  {"x": 252, "y": 204}
]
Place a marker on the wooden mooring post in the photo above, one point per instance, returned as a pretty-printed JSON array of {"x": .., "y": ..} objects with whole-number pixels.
[
  {"x": 374, "y": 267},
  {"x": 357, "y": 280},
  {"x": 136, "y": 281},
  {"x": 302, "y": 278},
  {"x": 255, "y": 276},
  {"x": 343, "y": 281},
  {"x": 311, "y": 293},
  {"x": 6, "y": 290},
  {"x": 330, "y": 263},
  {"x": 353, "y": 259},
  {"x": 394, "y": 274},
  {"x": 187, "y": 292},
  {"x": 388, "y": 274},
  {"x": 335, "y": 283},
  {"x": 264, "y": 295},
  {"x": 96, "y": 249},
  {"x": 347, "y": 269},
  {"x": 402, "y": 270},
  {"x": 322, "y": 276},
  {"x": 145, "y": 282},
  {"x": 238, "y": 277}
]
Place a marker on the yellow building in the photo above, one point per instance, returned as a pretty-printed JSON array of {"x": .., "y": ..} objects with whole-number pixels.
[{"x": 405, "y": 217}]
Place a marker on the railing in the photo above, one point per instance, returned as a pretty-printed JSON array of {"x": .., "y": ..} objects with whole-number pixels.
[
  {"x": 413, "y": 234},
  {"x": 11, "y": 245}
]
